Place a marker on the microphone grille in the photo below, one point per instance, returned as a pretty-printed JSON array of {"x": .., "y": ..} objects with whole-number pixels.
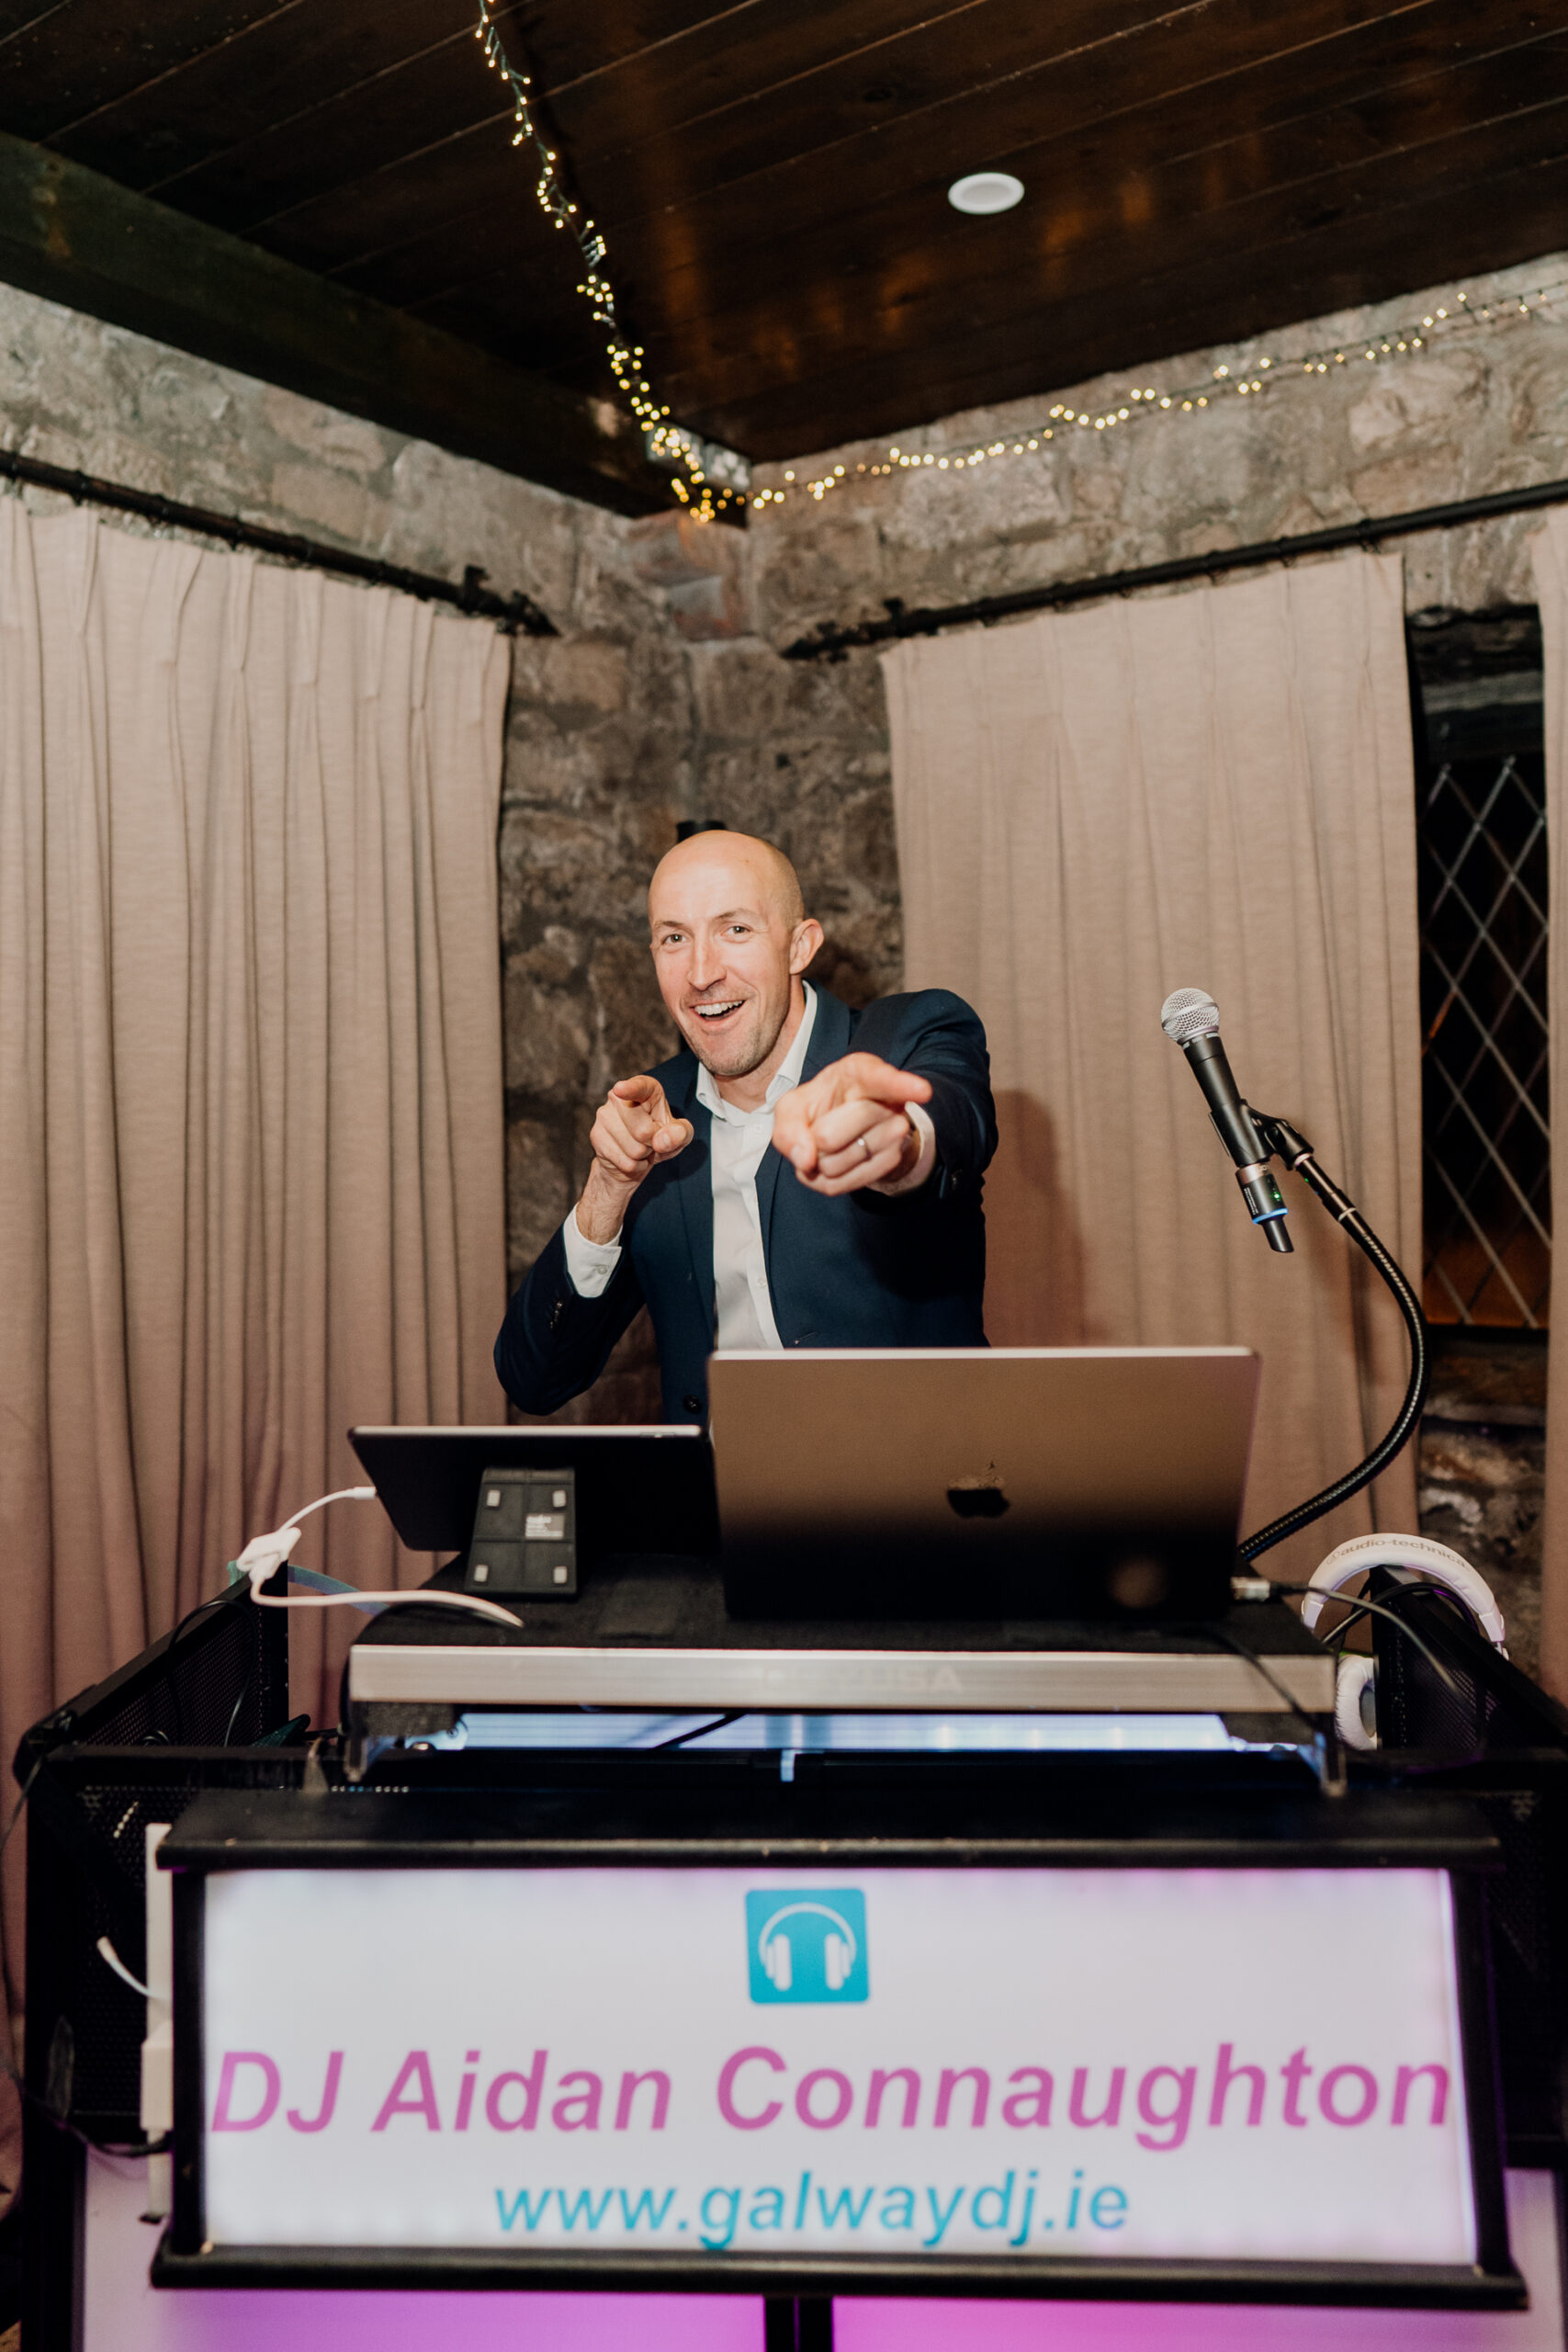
[{"x": 1189, "y": 1012}]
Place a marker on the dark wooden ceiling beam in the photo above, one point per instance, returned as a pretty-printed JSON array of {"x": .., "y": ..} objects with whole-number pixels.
[
  {"x": 79, "y": 239},
  {"x": 555, "y": 337}
]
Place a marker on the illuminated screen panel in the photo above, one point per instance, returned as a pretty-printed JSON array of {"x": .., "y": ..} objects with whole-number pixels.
[{"x": 1247, "y": 2066}]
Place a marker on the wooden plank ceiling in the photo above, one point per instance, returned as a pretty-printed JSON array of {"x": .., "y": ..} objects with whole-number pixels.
[{"x": 771, "y": 174}]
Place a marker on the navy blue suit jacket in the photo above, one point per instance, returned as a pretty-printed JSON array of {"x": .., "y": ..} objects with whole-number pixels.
[{"x": 858, "y": 1270}]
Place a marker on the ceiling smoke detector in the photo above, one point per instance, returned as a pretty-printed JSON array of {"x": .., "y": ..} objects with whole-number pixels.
[{"x": 984, "y": 192}]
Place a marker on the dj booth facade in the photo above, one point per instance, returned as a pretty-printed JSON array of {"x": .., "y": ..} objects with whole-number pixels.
[{"x": 945, "y": 1983}]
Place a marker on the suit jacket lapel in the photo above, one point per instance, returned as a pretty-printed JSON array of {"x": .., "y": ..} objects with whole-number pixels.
[
  {"x": 694, "y": 1182},
  {"x": 831, "y": 1034}
]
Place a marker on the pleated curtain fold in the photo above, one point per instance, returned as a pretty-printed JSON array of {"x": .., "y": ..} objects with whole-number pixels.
[
  {"x": 1210, "y": 790},
  {"x": 251, "y": 1103}
]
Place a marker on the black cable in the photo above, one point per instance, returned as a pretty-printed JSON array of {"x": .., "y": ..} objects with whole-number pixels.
[
  {"x": 244, "y": 1692},
  {"x": 1297, "y": 1153},
  {"x": 217, "y": 1601},
  {"x": 1357, "y": 1607},
  {"x": 1223, "y": 1634},
  {"x": 1346, "y": 1625},
  {"x": 134, "y": 2149},
  {"x": 1381, "y": 1609},
  {"x": 700, "y": 1733},
  {"x": 18, "y": 1808}
]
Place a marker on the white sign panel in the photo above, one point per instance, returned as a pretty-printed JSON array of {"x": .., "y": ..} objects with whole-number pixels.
[{"x": 1216, "y": 2064}]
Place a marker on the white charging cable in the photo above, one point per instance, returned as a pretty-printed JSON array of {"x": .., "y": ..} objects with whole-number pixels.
[{"x": 264, "y": 1554}]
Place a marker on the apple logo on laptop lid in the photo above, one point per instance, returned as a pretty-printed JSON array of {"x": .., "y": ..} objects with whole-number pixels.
[{"x": 981, "y": 1495}]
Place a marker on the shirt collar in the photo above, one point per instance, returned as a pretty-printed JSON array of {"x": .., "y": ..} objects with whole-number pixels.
[{"x": 784, "y": 1077}]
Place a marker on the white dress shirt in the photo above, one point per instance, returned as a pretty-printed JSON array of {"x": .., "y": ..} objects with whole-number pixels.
[{"x": 743, "y": 1306}]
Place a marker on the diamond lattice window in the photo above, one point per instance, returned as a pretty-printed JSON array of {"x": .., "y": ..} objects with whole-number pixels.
[{"x": 1480, "y": 827}]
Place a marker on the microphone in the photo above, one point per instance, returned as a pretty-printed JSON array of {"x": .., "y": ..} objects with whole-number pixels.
[{"x": 1191, "y": 1019}]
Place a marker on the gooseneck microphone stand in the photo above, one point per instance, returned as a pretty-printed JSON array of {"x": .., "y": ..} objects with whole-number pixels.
[{"x": 1294, "y": 1148}]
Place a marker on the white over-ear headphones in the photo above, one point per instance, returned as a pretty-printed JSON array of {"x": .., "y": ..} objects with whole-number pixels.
[
  {"x": 838, "y": 1947},
  {"x": 1412, "y": 1559}
]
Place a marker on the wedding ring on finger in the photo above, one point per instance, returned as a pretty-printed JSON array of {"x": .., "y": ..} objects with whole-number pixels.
[{"x": 865, "y": 1147}]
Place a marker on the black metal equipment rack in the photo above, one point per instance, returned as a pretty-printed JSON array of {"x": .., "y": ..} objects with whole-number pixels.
[
  {"x": 189, "y": 1713},
  {"x": 1514, "y": 1743},
  {"x": 207, "y": 1710}
]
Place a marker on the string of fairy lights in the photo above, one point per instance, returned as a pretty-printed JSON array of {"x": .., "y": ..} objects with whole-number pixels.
[
  {"x": 1249, "y": 381},
  {"x": 690, "y": 483},
  {"x": 706, "y": 498}
]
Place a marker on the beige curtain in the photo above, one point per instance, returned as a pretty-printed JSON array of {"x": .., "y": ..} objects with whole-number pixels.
[
  {"x": 1209, "y": 790},
  {"x": 251, "y": 1148},
  {"x": 1550, "y": 553}
]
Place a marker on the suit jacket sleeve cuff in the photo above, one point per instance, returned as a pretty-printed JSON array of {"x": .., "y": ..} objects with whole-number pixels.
[{"x": 589, "y": 1264}]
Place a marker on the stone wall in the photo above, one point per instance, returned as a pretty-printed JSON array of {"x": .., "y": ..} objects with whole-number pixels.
[
  {"x": 616, "y": 732},
  {"x": 1482, "y": 1470},
  {"x": 1483, "y": 408}
]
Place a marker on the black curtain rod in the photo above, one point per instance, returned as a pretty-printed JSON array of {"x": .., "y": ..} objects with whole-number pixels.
[
  {"x": 833, "y": 639},
  {"x": 509, "y": 613}
]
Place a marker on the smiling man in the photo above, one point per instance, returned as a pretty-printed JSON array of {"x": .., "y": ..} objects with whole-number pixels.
[{"x": 800, "y": 1176}]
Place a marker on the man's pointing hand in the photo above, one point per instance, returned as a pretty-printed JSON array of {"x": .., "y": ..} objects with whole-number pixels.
[
  {"x": 847, "y": 1127},
  {"x": 634, "y": 1131}
]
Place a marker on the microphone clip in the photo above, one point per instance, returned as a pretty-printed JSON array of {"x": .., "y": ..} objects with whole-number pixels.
[{"x": 1279, "y": 1136}]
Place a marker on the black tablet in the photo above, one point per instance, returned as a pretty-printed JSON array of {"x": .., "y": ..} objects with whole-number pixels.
[{"x": 638, "y": 1490}]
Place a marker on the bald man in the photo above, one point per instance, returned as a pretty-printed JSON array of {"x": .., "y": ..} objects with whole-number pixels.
[{"x": 799, "y": 1176}]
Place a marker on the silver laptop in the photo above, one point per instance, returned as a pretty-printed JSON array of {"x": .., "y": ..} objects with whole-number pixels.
[{"x": 1073, "y": 1483}]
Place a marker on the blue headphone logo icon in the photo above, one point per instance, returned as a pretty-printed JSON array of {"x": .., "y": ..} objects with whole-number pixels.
[
  {"x": 839, "y": 1946},
  {"x": 808, "y": 1944}
]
